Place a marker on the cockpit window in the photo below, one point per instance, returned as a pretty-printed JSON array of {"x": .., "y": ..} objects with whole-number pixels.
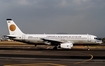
[{"x": 98, "y": 38}]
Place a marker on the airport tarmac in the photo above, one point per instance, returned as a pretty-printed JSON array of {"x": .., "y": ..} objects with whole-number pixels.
[
  {"x": 29, "y": 55},
  {"x": 51, "y": 58}
]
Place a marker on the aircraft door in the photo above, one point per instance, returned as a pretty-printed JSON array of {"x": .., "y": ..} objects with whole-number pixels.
[{"x": 89, "y": 38}]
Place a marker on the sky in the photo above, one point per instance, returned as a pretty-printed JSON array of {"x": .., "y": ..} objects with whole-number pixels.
[{"x": 54, "y": 16}]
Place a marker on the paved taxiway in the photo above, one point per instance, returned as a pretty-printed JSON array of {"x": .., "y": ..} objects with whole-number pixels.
[
  {"x": 51, "y": 58},
  {"x": 28, "y": 55}
]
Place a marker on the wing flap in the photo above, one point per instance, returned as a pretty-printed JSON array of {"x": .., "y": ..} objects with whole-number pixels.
[{"x": 53, "y": 41}]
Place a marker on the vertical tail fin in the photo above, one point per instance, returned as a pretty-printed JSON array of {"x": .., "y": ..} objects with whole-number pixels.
[{"x": 13, "y": 28}]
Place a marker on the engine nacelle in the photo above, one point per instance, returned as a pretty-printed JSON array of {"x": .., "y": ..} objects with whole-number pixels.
[{"x": 66, "y": 45}]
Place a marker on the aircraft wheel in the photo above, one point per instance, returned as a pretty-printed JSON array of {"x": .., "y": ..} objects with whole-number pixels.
[
  {"x": 88, "y": 49},
  {"x": 35, "y": 45},
  {"x": 59, "y": 46},
  {"x": 55, "y": 48}
]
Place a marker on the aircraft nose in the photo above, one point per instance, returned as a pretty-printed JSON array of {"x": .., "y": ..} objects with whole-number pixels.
[{"x": 100, "y": 42}]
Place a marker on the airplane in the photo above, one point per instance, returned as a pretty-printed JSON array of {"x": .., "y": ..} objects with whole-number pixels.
[{"x": 65, "y": 41}]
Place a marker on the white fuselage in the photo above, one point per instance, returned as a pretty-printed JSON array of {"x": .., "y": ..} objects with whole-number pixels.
[
  {"x": 73, "y": 38},
  {"x": 65, "y": 41}
]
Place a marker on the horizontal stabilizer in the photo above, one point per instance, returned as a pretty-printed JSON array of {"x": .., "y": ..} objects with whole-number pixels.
[{"x": 10, "y": 36}]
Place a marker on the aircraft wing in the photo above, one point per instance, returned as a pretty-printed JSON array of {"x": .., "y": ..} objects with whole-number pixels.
[
  {"x": 52, "y": 41},
  {"x": 61, "y": 44}
]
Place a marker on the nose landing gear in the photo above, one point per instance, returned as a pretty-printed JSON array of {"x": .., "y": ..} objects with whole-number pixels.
[{"x": 88, "y": 48}]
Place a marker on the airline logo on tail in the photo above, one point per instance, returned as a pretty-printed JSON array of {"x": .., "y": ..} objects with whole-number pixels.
[{"x": 12, "y": 27}]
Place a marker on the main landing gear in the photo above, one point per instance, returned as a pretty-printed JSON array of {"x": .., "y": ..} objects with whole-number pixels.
[
  {"x": 35, "y": 45},
  {"x": 55, "y": 47}
]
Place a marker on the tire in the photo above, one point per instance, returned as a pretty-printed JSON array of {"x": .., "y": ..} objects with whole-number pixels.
[{"x": 55, "y": 48}]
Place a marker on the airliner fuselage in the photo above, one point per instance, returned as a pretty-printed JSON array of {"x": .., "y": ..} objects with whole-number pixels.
[
  {"x": 65, "y": 41},
  {"x": 74, "y": 38}
]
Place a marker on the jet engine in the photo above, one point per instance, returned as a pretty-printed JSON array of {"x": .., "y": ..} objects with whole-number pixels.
[{"x": 66, "y": 45}]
